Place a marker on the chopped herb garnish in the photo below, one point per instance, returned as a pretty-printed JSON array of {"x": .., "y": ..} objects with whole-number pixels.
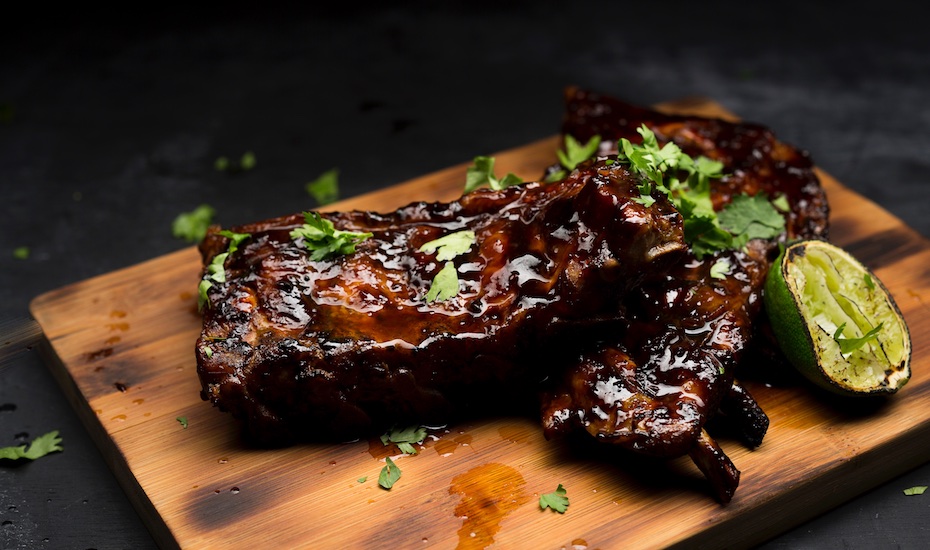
[
  {"x": 574, "y": 154},
  {"x": 21, "y": 252},
  {"x": 208, "y": 350},
  {"x": 389, "y": 474},
  {"x": 192, "y": 226},
  {"x": 869, "y": 283},
  {"x": 849, "y": 345},
  {"x": 915, "y": 490},
  {"x": 221, "y": 164},
  {"x": 445, "y": 284},
  {"x": 40, "y": 446},
  {"x": 451, "y": 245},
  {"x": 720, "y": 269},
  {"x": 182, "y": 420},
  {"x": 555, "y": 500},
  {"x": 320, "y": 236},
  {"x": 362, "y": 479},
  {"x": 216, "y": 270},
  {"x": 325, "y": 189},
  {"x": 748, "y": 218},
  {"x": 405, "y": 438},
  {"x": 705, "y": 230},
  {"x": 781, "y": 203},
  {"x": 482, "y": 173}
]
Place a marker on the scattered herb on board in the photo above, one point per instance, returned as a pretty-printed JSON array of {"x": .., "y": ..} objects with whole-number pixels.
[
  {"x": 916, "y": 490},
  {"x": 40, "y": 446},
  {"x": 325, "y": 189},
  {"x": 555, "y": 500},
  {"x": 182, "y": 420},
  {"x": 323, "y": 240},
  {"x": 389, "y": 474},
  {"x": 482, "y": 173},
  {"x": 362, "y": 479},
  {"x": 405, "y": 438},
  {"x": 192, "y": 226}
]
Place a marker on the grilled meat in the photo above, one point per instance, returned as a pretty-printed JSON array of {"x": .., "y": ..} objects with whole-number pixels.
[
  {"x": 652, "y": 387},
  {"x": 348, "y": 344},
  {"x": 571, "y": 288}
]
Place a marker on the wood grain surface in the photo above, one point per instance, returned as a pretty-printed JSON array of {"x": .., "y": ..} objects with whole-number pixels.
[{"x": 122, "y": 347}]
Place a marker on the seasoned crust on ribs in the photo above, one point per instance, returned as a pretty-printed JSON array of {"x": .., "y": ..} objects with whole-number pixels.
[{"x": 347, "y": 344}]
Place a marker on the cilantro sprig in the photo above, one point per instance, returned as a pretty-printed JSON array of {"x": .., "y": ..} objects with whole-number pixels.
[
  {"x": 325, "y": 188},
  {"x": 445, "y": 284},
  {"x": 389, "y": 474},
  {"x": 849, "y": 345},
  {"x": 686, "y": 182},
  {"x": 405, "y": 438},
  {"x": 40, "y": 446},
  {"x": 192, "y": 226},
  {"x": 482, "y": 173},
  {"x": 216, "y": 269},
  {"x": 573, "y": 154},
  {"x": 323, "y": 240},
  {"x": 556, "y": 500}
]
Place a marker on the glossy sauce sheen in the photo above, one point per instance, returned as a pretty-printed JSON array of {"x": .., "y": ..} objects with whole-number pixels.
[
  {"x": 351, "y": 342},
  {"x": 653, "y": 387}
]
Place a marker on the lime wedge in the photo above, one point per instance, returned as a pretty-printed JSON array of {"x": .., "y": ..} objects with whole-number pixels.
[{"x": 835, "y": 321}]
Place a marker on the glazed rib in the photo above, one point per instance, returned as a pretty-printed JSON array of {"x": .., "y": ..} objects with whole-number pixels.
[
  {"x": 653, "y": 387},
  {"x": 350, "y": 343}
]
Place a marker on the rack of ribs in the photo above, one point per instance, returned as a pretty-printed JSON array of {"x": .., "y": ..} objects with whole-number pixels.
[
  {"x": 652, "y": 387},
  {"x": 572, "y": 290}
]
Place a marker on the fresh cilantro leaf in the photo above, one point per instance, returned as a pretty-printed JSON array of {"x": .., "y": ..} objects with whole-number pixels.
[
  {"x": 451, "y": 245},
  {"x": 781, "y": 203},
  {"x": 482, "y": 173},
  {"x": 707, "y": 231},
  {"x": 362, "y": 479},
  {"x": 325, "y": 188},
  {"x": 555, "y": 500},
  {"x": 323, "y": 240},
  {"x": 40, "y": 446},
  {"x": 21, "y": 253},
  {"x": 445, "y": 284},
  {"x": 216, "y": 269},
  {"x": 915, "y": 490},
  {"x": 192, "y": 226},
  {"x": 720, "y": 269},
  {"x": 404, "y": 438},
  {"x": 389, "y": 474},
  {"x": 751, "y": 217},
  {"x": 849, "y": 345},
  {"x": 575, "y": 153},
  {"x": 182, "y": 420}
]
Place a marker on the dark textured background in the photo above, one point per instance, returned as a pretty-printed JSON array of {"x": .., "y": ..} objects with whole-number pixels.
[{"x": 110, "y": 123}]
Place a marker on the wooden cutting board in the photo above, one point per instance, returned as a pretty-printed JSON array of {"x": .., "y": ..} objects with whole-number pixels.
[{"x": 122, "y": 347}]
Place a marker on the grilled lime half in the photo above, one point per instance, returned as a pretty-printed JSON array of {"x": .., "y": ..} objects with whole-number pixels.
[{"x": 835, "y": 321}]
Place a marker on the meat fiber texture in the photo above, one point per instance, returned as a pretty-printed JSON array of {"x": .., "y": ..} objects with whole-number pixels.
[{"x": 340, "y": 347}]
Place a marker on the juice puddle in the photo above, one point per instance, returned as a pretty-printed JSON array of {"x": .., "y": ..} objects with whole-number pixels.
[{"x": 490, "y": 492}]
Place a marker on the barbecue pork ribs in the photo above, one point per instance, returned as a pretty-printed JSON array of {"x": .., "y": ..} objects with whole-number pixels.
[{"x": 572, "y": 290}]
